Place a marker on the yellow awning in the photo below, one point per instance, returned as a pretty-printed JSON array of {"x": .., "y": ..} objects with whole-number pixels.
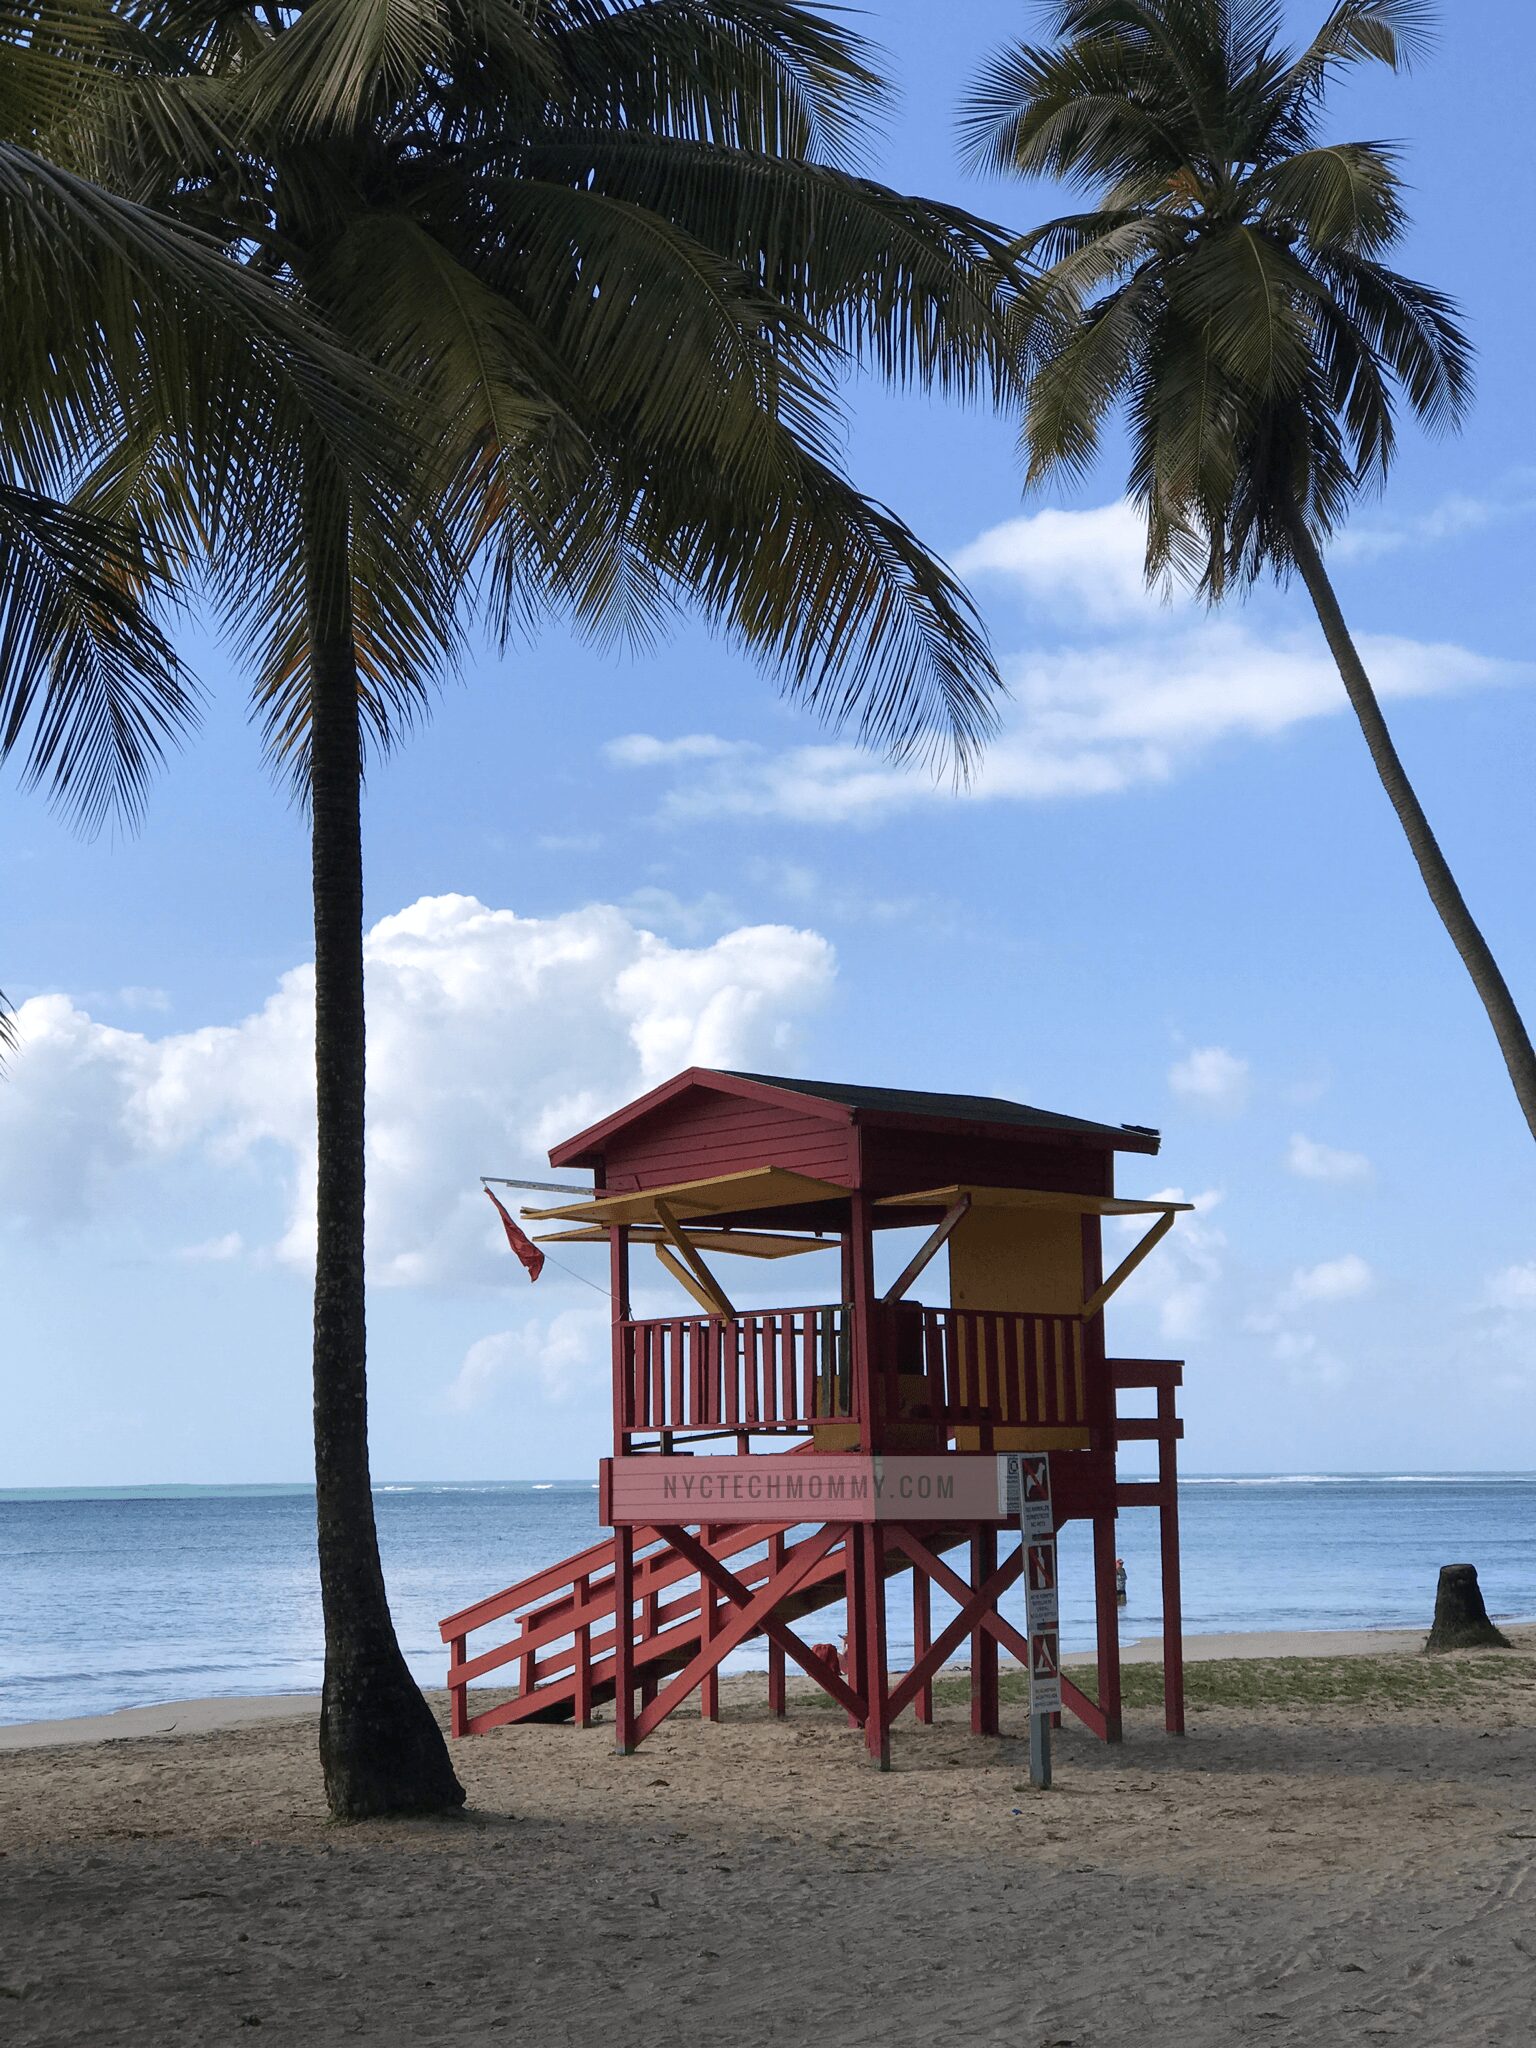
[
  {"x": 724, "y": 1194},
  {"x": 751, "y": 1244},
  {"x": 1033, "y": 1198}
]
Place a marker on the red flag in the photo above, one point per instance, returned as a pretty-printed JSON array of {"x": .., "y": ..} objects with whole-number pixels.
[{"x": 520, "y": 1242}]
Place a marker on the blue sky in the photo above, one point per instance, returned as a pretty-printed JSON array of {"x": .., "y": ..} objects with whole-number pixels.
[{"x": 1176, "y": 897}]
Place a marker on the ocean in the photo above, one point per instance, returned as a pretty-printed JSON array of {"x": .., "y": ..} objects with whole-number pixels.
[{"x": 128, "y": 1597}]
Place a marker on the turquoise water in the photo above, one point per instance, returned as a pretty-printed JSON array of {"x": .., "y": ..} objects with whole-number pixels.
[{"x": 115, "y": 1597}]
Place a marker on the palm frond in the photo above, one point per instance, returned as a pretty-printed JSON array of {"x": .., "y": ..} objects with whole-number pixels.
[
  {"x": 1078, "y": 114},
  {"x": 91, "y": 691},
  {"x": 1347, "y": 193},
  {"x": 922, "y": 292},
  {"x": 1413, "y": 328},
  {"x": 757, "y": 75},
  {"x": 1390, "y": 32},
  {"x": 341, "y": 61},
  {"x": 1270, "y": 343}
]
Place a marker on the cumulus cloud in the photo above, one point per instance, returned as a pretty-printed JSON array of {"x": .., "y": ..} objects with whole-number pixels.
[
  {"x": 490, "y": 1036},
  {"x": 1133, "y": 691},
  {"x": 1071, "y": 564},
  {"x": 1312, "y": 1161},
  {"x": 1341, "y": 1279},
  {"x": 1213, "y": 1078}
]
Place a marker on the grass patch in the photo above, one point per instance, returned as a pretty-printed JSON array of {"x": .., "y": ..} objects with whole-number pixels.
[{"x": 1475, "y": 1677}]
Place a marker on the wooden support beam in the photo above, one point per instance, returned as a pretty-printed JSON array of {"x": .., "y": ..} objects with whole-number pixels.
[
  {"x": 984, "y": 1688},
  {"x": 1127, "y": 1266},
  {"x": 922, "y": 1637},
  {"x": 694, "y": 1261},
  {"x": 877, "y": 1707},
  {"x": 625, "y": 1734},
  {"x": 754, "y": 1614},
  {"x": 685, "y": 1279},
  {"x": 1107, "y": 1623},
  {"x": 928, "y": 1250},
  {"x": 977, "y": 1604}
]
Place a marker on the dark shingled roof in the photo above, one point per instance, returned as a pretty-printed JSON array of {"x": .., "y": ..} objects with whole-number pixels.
[{"x": 975, "y": 1109}]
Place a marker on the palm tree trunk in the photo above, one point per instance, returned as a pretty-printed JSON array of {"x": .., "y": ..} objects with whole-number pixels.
[
  {"x": 1508, "y": 1025},
  {"x": 380, "y": 1747}
]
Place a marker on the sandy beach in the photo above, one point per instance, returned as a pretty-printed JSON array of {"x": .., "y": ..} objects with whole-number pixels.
[{"x": 1349, "y": 1872}]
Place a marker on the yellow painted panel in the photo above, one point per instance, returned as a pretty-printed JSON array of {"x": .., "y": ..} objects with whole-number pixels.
[
  {"x": 835, "y": 1436},
  {"x": 1017, "y": 1259}
]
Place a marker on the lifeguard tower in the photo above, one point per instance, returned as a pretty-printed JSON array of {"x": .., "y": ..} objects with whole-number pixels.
[{"x": 768, "y": 1462}]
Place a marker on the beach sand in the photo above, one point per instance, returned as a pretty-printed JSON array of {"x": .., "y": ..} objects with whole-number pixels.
[{"x": 1339, "y": 1874}]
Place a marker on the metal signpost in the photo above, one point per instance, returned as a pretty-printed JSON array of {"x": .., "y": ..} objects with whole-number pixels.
[{"x": 1024, "y": 1482}]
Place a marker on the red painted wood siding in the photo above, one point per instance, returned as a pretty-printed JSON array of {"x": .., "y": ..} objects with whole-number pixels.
[{"x": 703, "y": 1134}]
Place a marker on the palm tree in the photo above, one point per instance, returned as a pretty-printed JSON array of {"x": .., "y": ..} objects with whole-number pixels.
[
  {"x": 619, "y": 256},
  {"x": 1228, "y": 291},
  {"x": 116, "y": 313}
]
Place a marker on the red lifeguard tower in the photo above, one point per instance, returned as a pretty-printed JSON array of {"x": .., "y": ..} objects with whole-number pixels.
[{"x": 760, "y": 1455}]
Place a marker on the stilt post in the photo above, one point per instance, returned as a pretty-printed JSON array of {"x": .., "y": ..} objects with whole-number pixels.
[
  {"x": 624, "y": 1640},
  {"x": 876, "y": 1686},
  {"x": 1107, "y": 1617},
  {"x": 1168, "y": 1547},
  {"x": 709, "y": 1689},
  {"x": 922, "y": 1637},
  {"x": 984, "y": 1699},
  {"x": 776, "y": 1674}
]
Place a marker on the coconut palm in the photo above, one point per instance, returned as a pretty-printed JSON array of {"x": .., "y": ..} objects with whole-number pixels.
[
  {"x": 1228, "y": 292},
  {"x": 619, "y": 255},
  {"x": 119, "y": 314}
]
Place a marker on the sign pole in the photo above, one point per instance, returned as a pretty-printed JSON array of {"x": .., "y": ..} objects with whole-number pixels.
[
  {"x": 1040, "y": 1750},
  {"x": 1024, "y": 1486}
]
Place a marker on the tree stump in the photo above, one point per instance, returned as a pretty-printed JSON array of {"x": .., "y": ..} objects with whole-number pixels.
[{"x": 1461, "y": 1619}]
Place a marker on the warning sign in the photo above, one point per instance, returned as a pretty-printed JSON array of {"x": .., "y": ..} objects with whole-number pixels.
[
  {"x": 1044, "y": 1671},
  {"x": 1035, "y": 1478},
  {"x": 1040, "y": 1586},
  {"x": 1024, "y": 1489}
]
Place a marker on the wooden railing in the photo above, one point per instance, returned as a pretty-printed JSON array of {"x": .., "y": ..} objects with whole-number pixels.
[
  {"x": 985, "y": 1368},
  {"x": 768, "y": 1371}
]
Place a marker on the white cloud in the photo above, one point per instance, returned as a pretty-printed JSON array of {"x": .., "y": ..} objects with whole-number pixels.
[
  {"x": 214, "y": 1250},
  {"x": 570, "y": 842},
  {"x": 644, "y": 750},
  {"x": 490, "y": 1036},
  {"x": 566, "y": 1358},
  {"x": 1212, "y": 1077},
  {"x": 1312, "y": 1161},
  {"x": 1178, "y": 1282},
  {"x": 1133, "y": 691},
  {"x": 1513, "y": 1288},
  {"x": 1075, "y": 565},
  {"x": 1341, "y": 1279},
  {"x": 1083, "y": 722},
  {"x": 1453, "y": 517}
]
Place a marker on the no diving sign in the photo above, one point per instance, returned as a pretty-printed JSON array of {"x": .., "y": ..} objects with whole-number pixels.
[{"x": 1044, "y": 1671}]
